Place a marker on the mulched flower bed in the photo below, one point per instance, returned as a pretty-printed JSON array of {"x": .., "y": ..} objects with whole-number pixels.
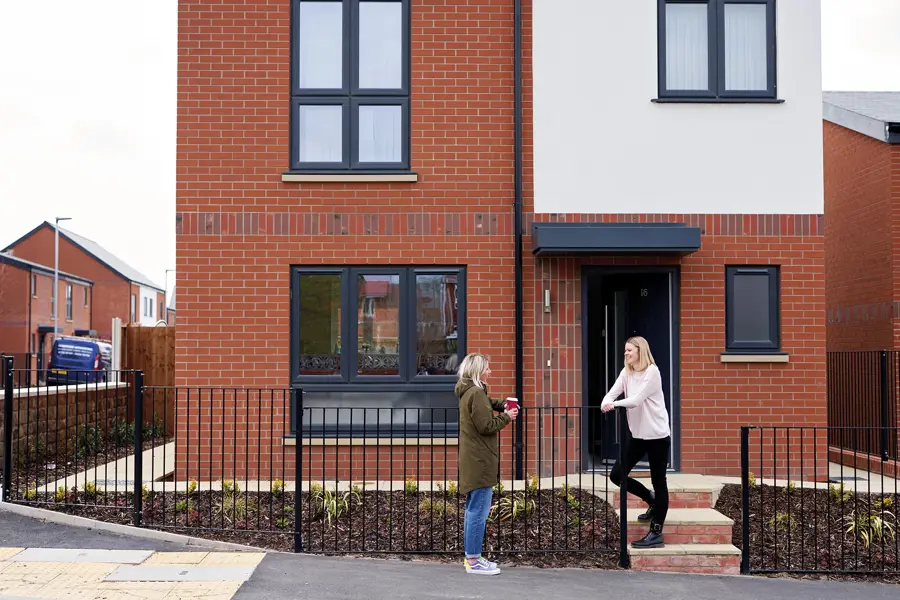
[
  {"x": 793, "y": 529},
  {"x": 33, "y": 467},
  {"x": 540, "y": 528}
]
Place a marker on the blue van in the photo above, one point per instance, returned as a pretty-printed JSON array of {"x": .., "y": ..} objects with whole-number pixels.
[{"x": 79, "y": 360}]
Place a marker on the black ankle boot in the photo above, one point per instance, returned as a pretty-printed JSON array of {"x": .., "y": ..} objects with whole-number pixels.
[
  {"x": 653, "y": 539},
  {"x": 647, "y": 516}
]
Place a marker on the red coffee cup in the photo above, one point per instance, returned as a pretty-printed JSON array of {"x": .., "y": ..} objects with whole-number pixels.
[{"x": 511, "y": 403}]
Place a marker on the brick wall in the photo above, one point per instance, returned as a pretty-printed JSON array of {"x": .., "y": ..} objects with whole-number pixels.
[
  {"x": 110, "y": 291},
  {"x": 49, "y": 420},
  {"x": 861, "y": 189},
  {"x": 14, "y": 294}
]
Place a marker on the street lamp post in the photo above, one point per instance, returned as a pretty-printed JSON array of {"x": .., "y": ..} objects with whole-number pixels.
[{"x": 56, "y": 275}]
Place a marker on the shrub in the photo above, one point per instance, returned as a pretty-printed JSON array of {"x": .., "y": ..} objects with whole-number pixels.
[
  {"x": 88, "y": 441},
  {"x": 278, "y": 488},
  {"x": 512, "y": 507},
  {"x": 437, "y": 507},
  {"x": 410, "y": 488},
  {"x": 871, "y": 527}
]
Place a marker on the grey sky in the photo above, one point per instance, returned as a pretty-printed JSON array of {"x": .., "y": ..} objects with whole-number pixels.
[{"x": 87, "y": 112}]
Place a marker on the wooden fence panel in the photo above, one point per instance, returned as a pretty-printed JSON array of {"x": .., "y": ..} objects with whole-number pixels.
[{"x": 152, "y": 350}]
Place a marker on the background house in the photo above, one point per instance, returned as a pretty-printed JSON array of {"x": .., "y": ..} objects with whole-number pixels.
[
  {"x": 862, "y": 202},
  {"x": 26, "y": 309},
  {"x": 119, "y": 290}
]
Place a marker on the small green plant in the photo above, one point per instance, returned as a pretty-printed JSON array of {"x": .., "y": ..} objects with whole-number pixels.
[
  {"x": 789, "y": 488},
  {"x": 233, "y": 507},
  {"x": 572, "y": 502},
  {"x": 498, "y": 489},
  {"x": 885, "y": 503},
  {"x": 358, "y": 491},
  {"x": 783, "y": 522},
  {"x": 283, "y": 523},
  {"x": 452, "y": 488},
  {"x": 278, "y": 488},
  {"x": 30, "y": 451},
  {"x": 90, "y": 490},
  {"x": 154, "y": 429},
  {"x": 577, "y": 522},
  {"x": 121, "y": 433},
  {"x": 438, "y": 507},
  {"x": 315, "y": 489},
  {"x": 871, "y": 527},
  {"x": 532, "y": 484},
  {"x": 31, "y": 494},
  {"x": 512, "y": 507},
  {"x": 410, "y": 487},
  {"x": 838, "y": 494},
  {"x": 88, "y": 441},
  {"x": 751, "y": 479},
  {"x": 147, "y": 494},
  {"x": 192, "y": 487},
  {"x": 183, "y": 506},
  {"x": 60, "y": 496},
  {"x": 334, "y": 504},
  {"x": 564, "y": 490}
]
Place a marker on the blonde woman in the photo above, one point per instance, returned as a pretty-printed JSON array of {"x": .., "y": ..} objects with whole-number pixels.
[
  {"x": 648, "y": 421},
  {"x": 479, "y": 455}
]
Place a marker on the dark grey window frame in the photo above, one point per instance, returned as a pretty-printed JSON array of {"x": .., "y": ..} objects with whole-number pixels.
[
  {"x": 773, "y": 274},
  {"x": 717, "y": 91},
  {"x": 350, "y": 96},
  {"x": 69, "y": 293},
  {"x": 34, "y": 293},
  {"x": 349, "y": 380},
  {"x": 85, "y": 296}
]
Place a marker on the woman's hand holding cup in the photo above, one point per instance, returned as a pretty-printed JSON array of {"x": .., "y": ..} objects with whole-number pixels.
[{"x": 511, "y": 407}]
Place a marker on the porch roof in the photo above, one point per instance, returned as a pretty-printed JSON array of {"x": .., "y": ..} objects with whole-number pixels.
[{"x": 614, "y": 238}]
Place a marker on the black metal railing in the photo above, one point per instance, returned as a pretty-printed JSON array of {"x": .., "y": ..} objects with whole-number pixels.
[
  {"x": 863, "y": 389},
  {"x": 229, "y": 464},
  {"x": 808, "y": 508},
  {"x": 26, "y": 363}
]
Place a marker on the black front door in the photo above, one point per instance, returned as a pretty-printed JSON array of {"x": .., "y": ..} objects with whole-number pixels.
[{"x": 622, "y": 305}]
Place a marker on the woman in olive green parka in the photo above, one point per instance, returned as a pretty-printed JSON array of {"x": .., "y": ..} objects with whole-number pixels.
[{"x": 479, "y": 455}]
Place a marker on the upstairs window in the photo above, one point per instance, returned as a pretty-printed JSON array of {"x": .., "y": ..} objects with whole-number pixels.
[
  {"x": 68, "y": 301},
  {"x": 349, "y": 85},
  {"x": 717, "y": 49},
  {"x": 34, "y": 285}
]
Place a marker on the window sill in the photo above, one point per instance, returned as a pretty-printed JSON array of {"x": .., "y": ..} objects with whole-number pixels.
[
  {"x": 345, "y": 177},
  {"x": 717, "y": 101},
  {"x": 732, "y": 357},
  {"x": 372, "y": 441}
]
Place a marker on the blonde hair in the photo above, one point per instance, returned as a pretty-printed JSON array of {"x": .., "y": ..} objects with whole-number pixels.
[
  {"x": 472, "y": 368},
  {"x": 645, "y": 358}
]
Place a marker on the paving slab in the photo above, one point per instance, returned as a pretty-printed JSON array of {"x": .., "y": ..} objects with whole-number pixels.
[
  {"x": 181, "y": 573},
  {"x": 66, "y": 555}
]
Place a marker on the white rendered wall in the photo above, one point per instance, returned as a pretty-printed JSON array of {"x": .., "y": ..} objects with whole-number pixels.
[
  {"x": 602, "y": 146},
  {"x": 148, "y": 293}
]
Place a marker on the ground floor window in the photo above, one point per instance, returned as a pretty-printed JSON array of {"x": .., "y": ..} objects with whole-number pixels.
[
  {"x": 376, "y": 348},
  {"x": 752, "y": 321}
]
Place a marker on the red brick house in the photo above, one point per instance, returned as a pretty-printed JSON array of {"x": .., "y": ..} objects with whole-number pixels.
[
  {"x": 26, "y": 308},
  {"x": 119, "y": 289},
  {"x": 401, "y": 163},
  {"x": 862, "y": 200}
]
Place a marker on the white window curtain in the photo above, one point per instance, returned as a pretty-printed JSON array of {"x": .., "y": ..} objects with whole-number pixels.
[
  {"x": 687, "y": 47},
  {"x": 320, "y": 45},
  {"x": 746, "y": 65},
  {"x": 320, "y": 133},
  {"x": 380, "y": 45},
  {"x": 380, "y": 130}
]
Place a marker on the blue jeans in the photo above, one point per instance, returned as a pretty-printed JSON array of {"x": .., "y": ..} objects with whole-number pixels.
[{"x": 478, "y": 507}]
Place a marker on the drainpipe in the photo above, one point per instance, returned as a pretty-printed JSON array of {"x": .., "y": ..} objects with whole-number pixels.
[{"x": 520, "y": 392}]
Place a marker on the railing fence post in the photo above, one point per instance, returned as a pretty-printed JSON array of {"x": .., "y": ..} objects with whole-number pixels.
[
  {"x": 298, "y": 467},
  {"x": 885, "y": 412},
  {"x": 138, "y": 379},
  {"x": 7, "y": 426},
  {"x": 624, "y": 559},
  {"x": 745, "y": 500}
]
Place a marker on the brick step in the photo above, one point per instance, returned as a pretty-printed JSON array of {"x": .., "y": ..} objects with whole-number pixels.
[
  {"x": 718, "y": 559},
  {"x": 702, "y": 499},
  {"x": 685, "y": 491},
  {"x": 686, "y": 526}
]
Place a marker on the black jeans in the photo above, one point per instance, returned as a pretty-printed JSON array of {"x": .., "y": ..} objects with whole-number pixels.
[{"x": 657, "y": 452}]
